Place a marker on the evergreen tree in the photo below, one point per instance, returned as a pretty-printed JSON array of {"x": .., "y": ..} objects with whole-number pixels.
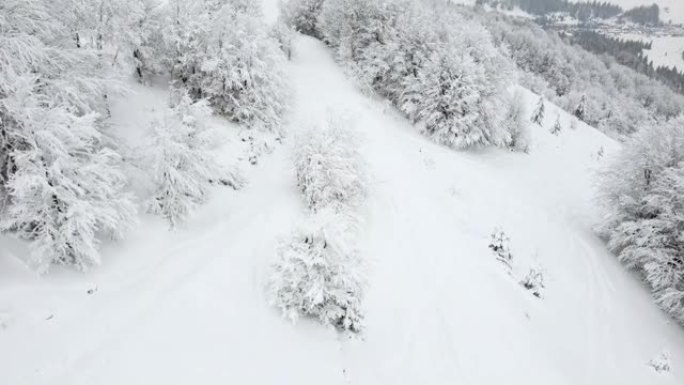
[
  {"x": 538, "y": 114},
  {"x": 556, "y": 126}
]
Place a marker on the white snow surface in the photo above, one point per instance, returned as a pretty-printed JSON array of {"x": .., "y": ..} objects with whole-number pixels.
[{"x": 189, "y": 306}]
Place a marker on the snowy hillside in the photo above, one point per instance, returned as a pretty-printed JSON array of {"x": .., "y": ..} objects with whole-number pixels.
[
  {"x": 189, "y": 306},
  {"x": 445, "y": 303}
]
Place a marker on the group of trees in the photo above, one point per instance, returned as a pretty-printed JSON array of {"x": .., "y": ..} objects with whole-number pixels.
[
  {"x": 439, "y": 68},
  {"x": 61, "y": 185},
  {"x": 615, "y": 99},
  {"x": 319, "y": 272}
]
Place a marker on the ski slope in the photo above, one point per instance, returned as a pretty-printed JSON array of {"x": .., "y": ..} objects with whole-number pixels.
[{"x": 188, "y": 307}]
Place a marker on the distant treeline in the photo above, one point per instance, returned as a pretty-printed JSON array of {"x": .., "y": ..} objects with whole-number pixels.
[
  {"x": 582, "y": 11},
  {"x": 628, "y": 53},
  {"x": 647, "y": 15}
]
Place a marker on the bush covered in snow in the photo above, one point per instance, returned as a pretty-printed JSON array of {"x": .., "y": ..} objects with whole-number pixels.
[
  {"x": 222, "y": 52},
  {"x": 643, "y": 192},
  {"x": 329, "y": 169},
  {"x": 181, "y": 160},
  {"x": 319, "y": 274},
  {"x": 437, "y": 67}
]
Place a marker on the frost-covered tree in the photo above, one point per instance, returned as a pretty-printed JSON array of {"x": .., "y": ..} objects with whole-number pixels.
[
  {"x": 222, "y": 51},
  {"x": 302, "y": 15},
  {"x": 517, "y": 123},
  {"x": 64, "y": 188},
  {"x": 319, "y": 274},
  {"x": 643, "y": 192},
  {"x": 556, "y": 129},
  {"x": 242, "y": 75},
  {"x": 329, "y": 169},
  {"x": 446, "y": 98},
  {"x": 181, "y": 159},
  {"x": 59, "y": 179},
  {"x": 538, "y": 114}
]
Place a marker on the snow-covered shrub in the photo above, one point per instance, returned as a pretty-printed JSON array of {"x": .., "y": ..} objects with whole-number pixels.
[
  {"x": 329, "y": 169},
  {"x": 223, "y": 53},
  {"x": 517, "y": 124},
  {"x": 643, "y": 193},
  {"x": 500, "y": 244},
  {"x": 319, "y": 274},
  {"x": 661, "y": 363},
  {"x": 534, "y": 281},
  {"x": 181, "y": 160},
  {"x": 302, "y": 15}
]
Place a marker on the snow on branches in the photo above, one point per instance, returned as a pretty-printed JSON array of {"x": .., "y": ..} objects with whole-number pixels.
[
  {"x": 225, "y": 54},
  {"x": 181, "y": 158},
  {"x": 437, "y": 67},
  {"x": 319, "y": 272},
  {"x": 643, "y": 193},
  {"x": 329, "y": 169},
  {"x": 60, "y": 183}
]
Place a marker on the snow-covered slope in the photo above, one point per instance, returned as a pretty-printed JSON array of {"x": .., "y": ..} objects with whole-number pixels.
[{"x": 189, "y": 306}]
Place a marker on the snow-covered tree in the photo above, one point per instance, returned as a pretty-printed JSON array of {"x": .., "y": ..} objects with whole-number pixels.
[
  {"x": 64, "y": 188},
  {"x": 446, "y": 98},
  {"x": 302, "y": 15},
  {"x": 538, "y": 114},
  {"x": 222, "y": 51},
  {"x": 319, "y": 274},
  {"x": 329, "y": 169},
  {"x": 643, "y": 192},
  {"x": 517, "y": 123},
  {"x": 556, "y": 129},
  {"x": 59, "y": 179},
  {"x": 181, "y": 159}
]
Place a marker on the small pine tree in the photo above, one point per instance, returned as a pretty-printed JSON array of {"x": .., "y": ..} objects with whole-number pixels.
[
  {"x": 538, "y": 114},
  {"x": 556, "y": 126},
  {"x": 581, "y": 107}
]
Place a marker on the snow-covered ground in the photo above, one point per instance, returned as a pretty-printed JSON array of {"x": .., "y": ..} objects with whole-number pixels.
[{"x": 189, "y": 306}]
